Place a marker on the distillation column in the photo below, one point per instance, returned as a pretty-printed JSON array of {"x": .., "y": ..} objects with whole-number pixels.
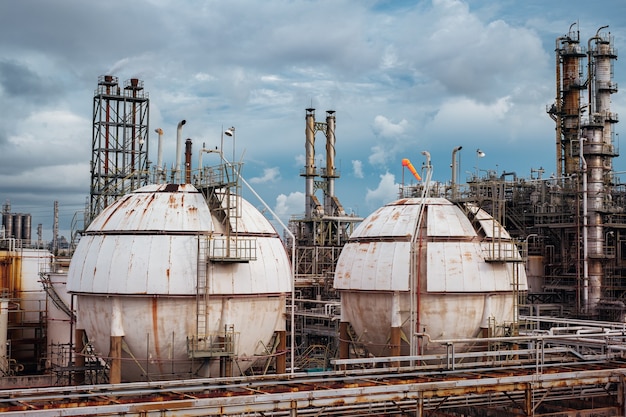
[
  {"x": 330, "y": 172},
  {"x": 597, "y": 154},
  {"x": 566, "y": 112},
  {"x": 309, "y": 167}
]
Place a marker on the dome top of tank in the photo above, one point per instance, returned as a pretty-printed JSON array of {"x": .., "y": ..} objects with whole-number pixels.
[
  {"x": 150, "y": 241},
  {"x": 455, "y": 242},
  {"x": 399, "y": 218},
  {"x": 177, "y": 208}
]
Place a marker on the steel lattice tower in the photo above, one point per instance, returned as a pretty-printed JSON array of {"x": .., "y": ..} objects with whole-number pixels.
[{"x": 119, "y": 162}]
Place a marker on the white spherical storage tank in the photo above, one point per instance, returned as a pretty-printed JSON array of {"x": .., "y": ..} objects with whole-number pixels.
[
  {"x": 457, "y": 270},
  {"x": 151, "y": 268}
]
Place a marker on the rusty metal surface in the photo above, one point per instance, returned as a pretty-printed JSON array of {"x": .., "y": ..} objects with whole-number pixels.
[
  {"x": 147, "y": 243},
  {"x": 459, "y": 288},
  {"x": 488, "y": 224},
  {"x": 134, "y": 264},
  {"x": 460, "y": 267},
  {"x": 392, "y": 220},
  {"x": 155, "y": 330},
  {"x": 156, "y": 208},
  {"x": 377, "y": 266},
  {"x": 447, "y": 220},
  {"x": 397, "y": 390},
  {"x": 136, "y": 275}
]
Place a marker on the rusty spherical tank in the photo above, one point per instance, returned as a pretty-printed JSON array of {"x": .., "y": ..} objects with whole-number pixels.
[
  {"x": 187, "y": 282},
  {"x": 457, "y": 269}
]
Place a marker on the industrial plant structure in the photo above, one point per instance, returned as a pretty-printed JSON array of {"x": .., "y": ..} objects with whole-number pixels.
[
  {"x": 573, "y": 222},
  {"x": 501, "y": 296}
]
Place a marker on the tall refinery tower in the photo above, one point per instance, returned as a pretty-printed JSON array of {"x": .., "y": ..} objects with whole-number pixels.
[
  {"x": 119, "y": 161},
  {"x": 584, "y": 152},
  {"x": 325, "y": 228}
]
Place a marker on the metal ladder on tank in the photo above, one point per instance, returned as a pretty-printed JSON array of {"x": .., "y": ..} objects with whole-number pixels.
[
  {"x": 202, "y": 291},
  {"x": 200, "y": 343}
]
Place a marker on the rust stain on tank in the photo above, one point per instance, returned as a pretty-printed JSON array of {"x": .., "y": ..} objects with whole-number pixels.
[
  {"x": 111, "y": 214},
  {"x": 149, "y": 202},
  {"x": 172, "y": 201},
  {"x": 373, "y": 248},
  {"x": 155, "y": 329},
  {"x": 373, "y": 219}
]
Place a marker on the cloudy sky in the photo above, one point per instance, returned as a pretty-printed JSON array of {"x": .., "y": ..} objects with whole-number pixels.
[{"x": 403, "y": 76}]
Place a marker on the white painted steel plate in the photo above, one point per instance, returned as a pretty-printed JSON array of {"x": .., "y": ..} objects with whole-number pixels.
[
  {"x": 148, "y": 210},
  {"x": 147, "y": 244},
  {"x": 448, "y": 220},
  {"x": 376, "y": 266},
  {"x": 460, "y": 267}
]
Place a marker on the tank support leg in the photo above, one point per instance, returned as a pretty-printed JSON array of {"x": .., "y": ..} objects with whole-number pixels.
[{"x": 115, "y": 374}]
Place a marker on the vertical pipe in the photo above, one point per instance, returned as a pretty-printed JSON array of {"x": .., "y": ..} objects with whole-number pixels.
[
  {"x": 117, "y": 333},
  {"x": 179, "y": 149},
  {"x": 585, "y": 238},
  {"x": 55, "y": 228},
  {"x": 79, "y": 355},
  {"x": 557, "y": 113},
  {"x": 159, "y": 166},
  {"x": 281, "y": 357},
  {"x": 344, "y": 342},
  {"x": 597, "y": 165},
  {"x": 454, "y": 167},
  {"x": 115, "y": 354},
  {"x": 396, "y": 327},
  {"x": 4, "y": 328},
  {"x": 188, "y": 161},
  {"x": 330, "y": 161},
  {"x": 309, "y": 166}
]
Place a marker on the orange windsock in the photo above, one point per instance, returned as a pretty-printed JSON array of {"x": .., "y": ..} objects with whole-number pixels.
[{"x": 409, "y": 165}]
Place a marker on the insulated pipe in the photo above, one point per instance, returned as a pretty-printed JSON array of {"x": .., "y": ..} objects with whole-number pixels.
[
  {"x": 117, "y": 333},
  {"x": 281, "y": 332},
  {"x": 590, "y": 63},
  {"x": 396, "y": 328},
  {"x": 159, "y": 166},
  {"x": 330, "y": 160},
  {"x": 454, "y": 169},
  {"x": 585, "y": 239},
  {"x": 179, "y": 148},
  {"x": 309, "y": 166}
]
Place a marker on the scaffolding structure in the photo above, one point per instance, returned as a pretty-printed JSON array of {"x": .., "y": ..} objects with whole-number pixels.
[{"x": 119, "y": 161}]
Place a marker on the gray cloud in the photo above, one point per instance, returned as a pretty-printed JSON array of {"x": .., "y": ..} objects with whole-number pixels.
[{"x": 438, "y": 74}]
